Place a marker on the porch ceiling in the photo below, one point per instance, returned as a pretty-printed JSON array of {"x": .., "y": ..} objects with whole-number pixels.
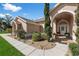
[{"x": 64, "y": 15}]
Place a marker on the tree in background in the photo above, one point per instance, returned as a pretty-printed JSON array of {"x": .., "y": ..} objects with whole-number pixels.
[
  {"x": 5, "y": 23},
  {"x": 2, "y": 25},
  {"x": 47, "y": 21},
  {"x": 8, "y": 20}
]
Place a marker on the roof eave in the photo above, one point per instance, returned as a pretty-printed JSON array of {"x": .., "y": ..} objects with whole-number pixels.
[{"x": 58, "y": 4}]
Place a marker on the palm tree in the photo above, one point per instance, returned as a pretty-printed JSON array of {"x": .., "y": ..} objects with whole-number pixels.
[
  {"x": 47, "y": 21},
  {"x": 8, "y": 19},
  {"x": 2, "y": 28}
]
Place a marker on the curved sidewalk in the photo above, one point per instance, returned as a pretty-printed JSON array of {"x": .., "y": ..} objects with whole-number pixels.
[{"x": 58, "y": 50}]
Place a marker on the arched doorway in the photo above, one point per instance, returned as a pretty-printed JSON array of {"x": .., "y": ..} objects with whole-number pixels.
[
  {"x": 63, "y": 23},
  {"x": 63, "y": 27}
]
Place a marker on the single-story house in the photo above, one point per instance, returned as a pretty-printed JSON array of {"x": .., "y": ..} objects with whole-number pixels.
[
  {"x": 62, "y": 18},
  {"x": 26, "y": 25}
]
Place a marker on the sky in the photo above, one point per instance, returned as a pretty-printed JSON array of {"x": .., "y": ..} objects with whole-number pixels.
[{"x": 31, "y": 11}]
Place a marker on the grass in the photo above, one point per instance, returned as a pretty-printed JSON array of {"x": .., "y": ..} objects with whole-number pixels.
[{"x": 7, "y": 49}]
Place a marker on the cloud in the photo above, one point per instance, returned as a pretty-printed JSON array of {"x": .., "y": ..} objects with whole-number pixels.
[
  {"x": 3, "y": 15},
  {"x": 11, "y": 7}
]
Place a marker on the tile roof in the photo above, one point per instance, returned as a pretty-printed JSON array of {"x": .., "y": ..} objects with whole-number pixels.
[
  {"x": 38, "y": 20},
  {"x": 26, "y": 19}
]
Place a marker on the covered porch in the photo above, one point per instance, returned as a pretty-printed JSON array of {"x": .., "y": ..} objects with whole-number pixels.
[{"x": 63, "y": 26}]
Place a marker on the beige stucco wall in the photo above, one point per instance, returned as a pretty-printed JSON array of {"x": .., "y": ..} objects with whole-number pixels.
[
  {"x": 23, "y": 24},
  {"x": 41, "y": 23},
  {"x": 69, "y": 8},
  {"x": 34, "y": 28},
  {"x": 63, "y": 6}
]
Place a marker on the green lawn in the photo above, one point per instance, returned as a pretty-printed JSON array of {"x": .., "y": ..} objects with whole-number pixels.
[{"x": 7, "y": 49}]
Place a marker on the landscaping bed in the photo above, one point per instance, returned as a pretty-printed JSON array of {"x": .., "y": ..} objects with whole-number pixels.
[
  {"x": 7, "y": 49},
  {"x": 41, "y": 44},
  {"x": 38, "y": 40},
  {"x": 38, "y": 44}
]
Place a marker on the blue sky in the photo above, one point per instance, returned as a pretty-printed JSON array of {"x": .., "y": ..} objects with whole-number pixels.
[{"x": 28, "y": 10}]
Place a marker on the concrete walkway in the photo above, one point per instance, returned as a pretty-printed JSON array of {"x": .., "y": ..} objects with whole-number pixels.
[{"x": 58, "y": 50}]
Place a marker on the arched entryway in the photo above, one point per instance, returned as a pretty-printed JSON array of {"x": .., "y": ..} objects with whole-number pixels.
[{"x": 63, "y": 23}]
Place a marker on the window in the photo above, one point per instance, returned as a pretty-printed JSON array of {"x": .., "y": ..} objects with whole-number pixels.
[{"x": 62, "y": 28}]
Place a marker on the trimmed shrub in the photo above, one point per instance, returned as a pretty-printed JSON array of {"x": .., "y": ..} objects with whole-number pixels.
[
  {"x": 44, "y": 36},
  {"x": 36, "y": 36},
  {"x": 21, "y": 34},
  {"x": 39, "y": 36},
  {"x": 74, "y": 49}
]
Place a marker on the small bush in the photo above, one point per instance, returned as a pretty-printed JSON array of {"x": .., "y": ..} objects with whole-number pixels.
[
  {"x": 8, "y": 30},
  {"x": 74, "y": 49},
  {"x": 77, "y": 34},
  {"x": 77, "y": 41},
  {"x": 21, "y": 34},
  {"x": 44, "y": 36},
  {"x": 39, "y": 36},
  {"x": 72, "y": 45},
  {"x": 36, "y": 36}
]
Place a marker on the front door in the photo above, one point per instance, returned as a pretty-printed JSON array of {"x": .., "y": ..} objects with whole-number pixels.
[{"x": 63, "y": 29}]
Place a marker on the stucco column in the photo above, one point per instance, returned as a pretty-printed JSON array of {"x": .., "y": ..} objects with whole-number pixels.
[
  {"x": 54, "y": 28},
  {"x": 53, "y": 25},
  {"x": 16, "y": 30},
  {"x": 12, "y": 30},
  {"x": 74, "y": 29}
]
